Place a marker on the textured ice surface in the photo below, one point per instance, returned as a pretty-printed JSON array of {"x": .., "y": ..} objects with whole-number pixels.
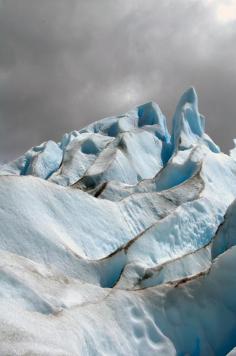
[{"x": 120, "y": 240}]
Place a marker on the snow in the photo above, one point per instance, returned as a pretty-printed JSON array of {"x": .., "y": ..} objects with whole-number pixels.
[{"x": 120, "y": 240}]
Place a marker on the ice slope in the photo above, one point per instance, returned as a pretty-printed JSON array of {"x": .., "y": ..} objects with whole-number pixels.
[{"x": 120, "y": 240}]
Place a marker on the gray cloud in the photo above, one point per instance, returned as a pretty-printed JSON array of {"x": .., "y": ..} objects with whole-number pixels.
[{"x": 65, "y": 63}]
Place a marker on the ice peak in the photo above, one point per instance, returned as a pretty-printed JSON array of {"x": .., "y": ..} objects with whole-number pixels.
[
  {"x": 189, "y": 124},
  {"x": 189, "y": 96},
  {"x": 150, "y": 114}
]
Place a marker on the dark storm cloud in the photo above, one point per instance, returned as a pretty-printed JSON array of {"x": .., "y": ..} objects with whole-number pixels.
[{"x": 65, "y": 63}]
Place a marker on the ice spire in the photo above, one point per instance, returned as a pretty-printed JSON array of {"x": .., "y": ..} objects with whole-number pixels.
[{"x": 189, "y": 124}]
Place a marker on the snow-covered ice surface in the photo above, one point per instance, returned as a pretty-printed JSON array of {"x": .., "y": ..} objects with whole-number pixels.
[{"x": 120, "y": 240}]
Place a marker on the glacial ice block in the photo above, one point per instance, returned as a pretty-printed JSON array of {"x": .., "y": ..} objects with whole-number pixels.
[{"x": 120, "y": 240}]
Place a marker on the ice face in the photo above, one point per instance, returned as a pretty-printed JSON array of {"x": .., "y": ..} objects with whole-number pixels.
[{"x": 120, "y": 240}]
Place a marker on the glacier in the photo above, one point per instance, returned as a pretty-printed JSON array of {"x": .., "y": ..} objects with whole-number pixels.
[{"x": 121, "y": 240}]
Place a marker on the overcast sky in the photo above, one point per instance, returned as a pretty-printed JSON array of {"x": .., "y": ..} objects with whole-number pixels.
[{"x": 66, "y": 63}]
